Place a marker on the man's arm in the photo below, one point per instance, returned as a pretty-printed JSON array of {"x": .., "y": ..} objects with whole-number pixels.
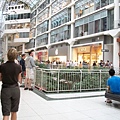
[
  {"x": 108, "y": 88},
  {"x": 108, "y": 85},
  {"x": 32, "y": 62},
  {"x": 19, "y": 78}
]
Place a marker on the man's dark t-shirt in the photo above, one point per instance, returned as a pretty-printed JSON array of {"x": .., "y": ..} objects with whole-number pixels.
[
  {"x": 22, "y": 63},
  {"x": 10, "y": 71}
]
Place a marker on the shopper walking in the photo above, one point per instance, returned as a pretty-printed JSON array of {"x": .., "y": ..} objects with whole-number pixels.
[{"x": 10, "y": 74}]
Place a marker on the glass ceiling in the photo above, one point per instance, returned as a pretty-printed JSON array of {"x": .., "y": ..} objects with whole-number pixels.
[{"x": 31, "y": 3}]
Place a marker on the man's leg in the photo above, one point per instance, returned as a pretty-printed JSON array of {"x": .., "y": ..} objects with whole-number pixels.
[
  {"x": 13, "y": 116},
  {"x": 30, "y": 84},
  {"x": 5, "y": 117},
  {"x": 26, "y": 83}
]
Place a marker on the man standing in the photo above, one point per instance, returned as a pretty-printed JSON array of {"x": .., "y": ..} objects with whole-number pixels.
[
  {"x": 30, "y": 65},
  {"x": 22, "y": 63},
  {"x": 113, "y": 84}
]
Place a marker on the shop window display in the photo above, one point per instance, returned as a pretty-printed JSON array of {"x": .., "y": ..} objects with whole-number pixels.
[{"x": 88, "y": 54}]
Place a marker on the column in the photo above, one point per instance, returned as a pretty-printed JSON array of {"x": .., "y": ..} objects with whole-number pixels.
[
  {"x": 115, "y": 43},
  {"x": 6, "y": 48},
  {"x": 70, "y": 53},
  {"x": 72, "y": 29},
  {"x": 49, "y": 27},
  {"x": 72, "y": 19},
  {"x": 23, "y": 48},
  {"x": 115, "y": 55},
  {"x": 116, "y": 13}
]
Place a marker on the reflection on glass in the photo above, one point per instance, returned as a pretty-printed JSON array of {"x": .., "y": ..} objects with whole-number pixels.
[
  {"x": 60, "y": 34},
  {"x": 42, "y": 16},
  {"x": 31, "y": 44},
  {"x": 59, "y": 4},
  {"x": 104, "y": 3},
  {"x": 97, "y": 26},
  {"x": 104, "y": 24},
  {"x": 91, "y": 28},
  {"x": 83, "y": 7},
  {"x": 61, "y": 18},
  {"x": 42, "y": 40},
  {"x": 42, "y": 27}
]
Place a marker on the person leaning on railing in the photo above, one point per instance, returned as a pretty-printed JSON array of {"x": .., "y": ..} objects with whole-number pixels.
[{"x": 30, "y": 67}]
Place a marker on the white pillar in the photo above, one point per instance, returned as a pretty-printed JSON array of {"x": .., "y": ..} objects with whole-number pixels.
[
  {"x": 72, "y": 19},
  {"x": 72, "y": 30},
  {"x": 6, "y": 48},
  {"x": 116, "y": 13},
  {"x": 115, "y": 43},
  {"x": 70, "y": 52},
  {"x": 115, "y": 55},
  {"x": 23, "y": 48},
  {"x": 49, "y": 28},
  {"x": 49, "y": 35}
]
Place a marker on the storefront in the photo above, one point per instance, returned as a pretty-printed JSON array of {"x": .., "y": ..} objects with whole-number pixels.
[
  {"x": 41, "y": 54},
  {"x": 59, "y": 53},
  {"x": 93, "y": 50},
  {"x": 88, "y": 53}
]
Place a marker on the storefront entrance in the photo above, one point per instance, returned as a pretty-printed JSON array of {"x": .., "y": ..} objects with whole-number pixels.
[
  {"x": 61, "y": 59},
  {"x": 88, "y": 54}
]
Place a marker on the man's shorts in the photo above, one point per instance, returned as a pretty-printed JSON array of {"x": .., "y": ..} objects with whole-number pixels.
[
  {"x": 30, "y": 73},
  {"x": 10, "y": 98},
  {"x": 23, "y": 74}
]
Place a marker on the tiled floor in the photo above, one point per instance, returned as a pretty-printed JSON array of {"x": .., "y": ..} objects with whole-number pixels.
[{"x": 33, "y": 107}]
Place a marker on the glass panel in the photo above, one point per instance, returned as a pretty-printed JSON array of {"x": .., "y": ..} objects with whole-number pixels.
[
  {"x": 83, "y": 7},
  {"x": 86, "y": 20},
  {"x": 42, "y": 40},
  {"x": 61, "y": 18},
  {"x": 111, "y": 19},
  {"x": 97, "y": 26},
  {"x": 97, "y": 16},
  {"x": 104, "y": 24},
  {"x": 111, "y": 1},
  {"x": 60, "y": 34},
  {"x": 59, "y": 4},
  {"x": 103, "y": 14},
  {"x": 81, "y": 31},
  {"x": 91, "y": 28},
  {"x": 86, "y": 29},
  {"x": 104, "y": 3},
  {"x": 91, "y": 18},
  {"x": 97, "y": 4}
]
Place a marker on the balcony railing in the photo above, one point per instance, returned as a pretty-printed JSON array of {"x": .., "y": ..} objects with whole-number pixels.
[{"x": 66, "y": 80}]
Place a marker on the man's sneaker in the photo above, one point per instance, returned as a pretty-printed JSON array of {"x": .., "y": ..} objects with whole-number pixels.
[
  {"x": 31, "y": 89},
  {"x": 108, "y": 101},
  {"x": 25, "y": 88}
]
